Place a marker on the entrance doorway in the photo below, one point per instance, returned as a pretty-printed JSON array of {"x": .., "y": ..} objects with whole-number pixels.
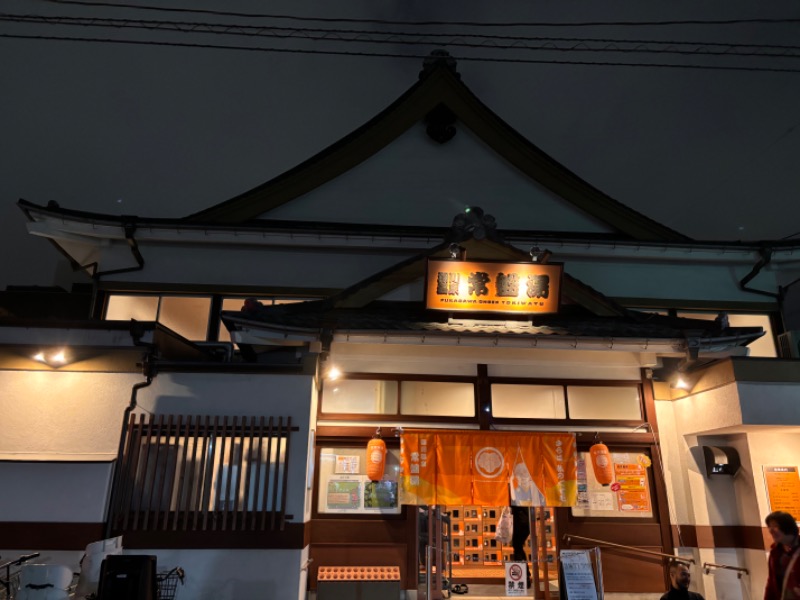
[{"x": 477, "y": 557}]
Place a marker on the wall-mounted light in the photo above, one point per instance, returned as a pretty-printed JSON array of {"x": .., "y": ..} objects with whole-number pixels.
[
  {"x": 333, "y": 373},
  {"x": 680, "y": 382},
  {"x": 53, "y": 357}
]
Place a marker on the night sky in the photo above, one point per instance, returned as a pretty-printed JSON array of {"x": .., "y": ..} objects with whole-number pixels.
[{"x": 165, "y": 131}]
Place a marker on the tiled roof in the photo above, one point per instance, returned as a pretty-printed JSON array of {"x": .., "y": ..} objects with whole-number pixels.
[{"x": 319, "y": 316}]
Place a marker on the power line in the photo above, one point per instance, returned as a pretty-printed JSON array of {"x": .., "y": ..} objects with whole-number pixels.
[
  {"x": 428, "y": 23},
  {"x": 365, "y": 36},
  {"x": 394, "y": 55}
]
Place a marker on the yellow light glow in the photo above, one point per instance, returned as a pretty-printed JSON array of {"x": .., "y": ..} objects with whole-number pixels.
[
  {"x": 681, "y": 383},
  {"x": 334, "y": 374},
  {"x": 58, "y": 357},
  {"x": 39, "y": 356}
]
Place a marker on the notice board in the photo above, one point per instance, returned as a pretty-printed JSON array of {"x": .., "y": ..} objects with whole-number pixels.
[
  {"x": 783, "y": 489},
  {"x": 580, "y": 574}
]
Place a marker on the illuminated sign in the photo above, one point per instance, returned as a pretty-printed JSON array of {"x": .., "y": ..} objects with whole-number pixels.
[{"x": 457, "y": 285}]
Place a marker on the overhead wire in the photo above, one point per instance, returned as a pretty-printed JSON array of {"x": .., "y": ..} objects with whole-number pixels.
[
  {"x": 715, "y": 22},
  {"x": 333, "y": 35},
  {"x": 464, "y": 58}
]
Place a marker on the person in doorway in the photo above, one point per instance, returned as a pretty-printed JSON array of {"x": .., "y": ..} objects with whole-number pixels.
[
  {"x": 680, "y": 578},
  {"x": 524, "y": 494},
  {"x": 783, "y": 580},
  {"x": 522, "y": 529}
]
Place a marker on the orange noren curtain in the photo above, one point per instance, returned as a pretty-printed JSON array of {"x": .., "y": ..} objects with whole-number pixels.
[{"x": 488, "y": 468}]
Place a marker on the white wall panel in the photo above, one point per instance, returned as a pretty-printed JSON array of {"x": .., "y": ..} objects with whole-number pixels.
[{"x": 30, "y": 489}]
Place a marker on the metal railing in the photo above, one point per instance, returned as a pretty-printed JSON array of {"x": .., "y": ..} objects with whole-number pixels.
[
  {"x": 568, "y": 538},
  {"x": 739, "y": 570}
]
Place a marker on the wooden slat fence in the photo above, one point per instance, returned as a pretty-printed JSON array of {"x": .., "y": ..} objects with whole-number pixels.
[{"x": 201, "y": 473}]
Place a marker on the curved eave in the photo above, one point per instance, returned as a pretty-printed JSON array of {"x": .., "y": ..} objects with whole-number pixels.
[
  {"x": 440, "y": 86},
  {"x": 271, "y": 337},
  {"x": 245, "y": 331},
  {"x": 82, "y": 237}
]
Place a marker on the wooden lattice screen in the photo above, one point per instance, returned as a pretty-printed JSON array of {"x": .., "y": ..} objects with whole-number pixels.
[{"x": 192, "y": 473}]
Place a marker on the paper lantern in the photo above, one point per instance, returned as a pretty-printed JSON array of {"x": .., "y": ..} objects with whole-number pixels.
[
  {"x": 602, "y": 464},
  {"x": 376, "y": 458}
]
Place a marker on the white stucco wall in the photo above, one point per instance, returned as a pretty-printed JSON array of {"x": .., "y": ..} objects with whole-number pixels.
[
  {"x": 62, "y": 416},
  {"x": 29, "y": 489},
  {"x": 430, "y": 183},
  {"x": 771, "y": 448},
  {"x": 237, "y": 574},
  {"x": 213, "y": 574},
  {"x": 65, "y": 420},
  {"x": 697, "y": 420}
]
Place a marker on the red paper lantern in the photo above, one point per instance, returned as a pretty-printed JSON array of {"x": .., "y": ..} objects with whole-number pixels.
[
  {"x": 602, "y": 464},
  {"x": 376, "y": 458}
]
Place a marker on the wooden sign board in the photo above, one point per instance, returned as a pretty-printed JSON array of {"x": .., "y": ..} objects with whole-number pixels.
[{"x": 459, "y": 285}]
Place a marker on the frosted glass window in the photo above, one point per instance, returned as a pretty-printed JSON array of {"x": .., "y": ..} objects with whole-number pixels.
[
  {"x": 437, "y": 398},
  {"x": 528, "y": 401},
  {"x": 763, "y": 346},
  {"x": 125, "y": 308},
  {"x": 604, "y": 402},
  {"x": 186, "y": 316},
  {"x": 355, "y": 396}
]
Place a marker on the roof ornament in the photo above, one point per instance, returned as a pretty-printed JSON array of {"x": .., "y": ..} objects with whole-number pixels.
[
  {"x": 473, "y": 223},
  {"x": 440, "y": 121},
  {"x": 437, "y": 58}
]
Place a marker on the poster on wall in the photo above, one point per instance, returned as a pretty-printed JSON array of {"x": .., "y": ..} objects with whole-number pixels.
[
  {"x": 357, "y": 494},
  {"x": 380, "y": 494},
  {"x": 343, "y": 494},
  {"x": 347, "y": 464},
  {"x": 583, "y": 487},
  {"x": 632, "y": 493},
  {"x": 783, "y": 489},
  {"x": 628, "y": 495}
]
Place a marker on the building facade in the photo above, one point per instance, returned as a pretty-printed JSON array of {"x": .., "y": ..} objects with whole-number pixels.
[{"x": 193, "y": 410}]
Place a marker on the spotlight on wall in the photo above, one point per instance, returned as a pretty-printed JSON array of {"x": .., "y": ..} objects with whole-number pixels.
[
  {"x": 51, "y": 357},
  {"x": 680, "y": 382},
  {"x": 333, "y": 373}
]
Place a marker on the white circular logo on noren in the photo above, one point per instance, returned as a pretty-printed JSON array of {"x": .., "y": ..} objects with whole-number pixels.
[{"x": 489, "y": 462}]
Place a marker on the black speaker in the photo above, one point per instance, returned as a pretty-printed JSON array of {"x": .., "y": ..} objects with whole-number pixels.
[{"x": 128, "y": 577}]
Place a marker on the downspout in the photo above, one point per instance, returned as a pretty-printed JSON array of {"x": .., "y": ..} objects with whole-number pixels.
[
  {"x": 129, "y": 226},
  {"x": 148, "y": 370},
  {"x": 766, "y": 257}
]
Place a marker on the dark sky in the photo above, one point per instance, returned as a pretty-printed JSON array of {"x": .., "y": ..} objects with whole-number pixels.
[{"x": 164, "y": 131}]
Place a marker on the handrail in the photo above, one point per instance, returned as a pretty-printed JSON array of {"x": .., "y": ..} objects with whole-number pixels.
[
  {"x": 740, "y": 570},
  {"x": 567, "y": 537}
]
